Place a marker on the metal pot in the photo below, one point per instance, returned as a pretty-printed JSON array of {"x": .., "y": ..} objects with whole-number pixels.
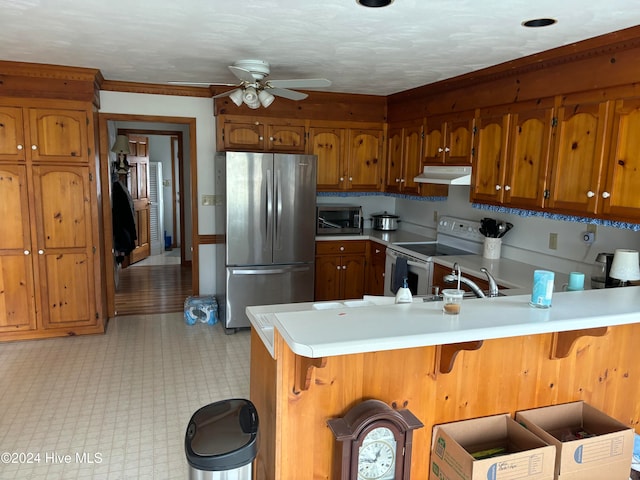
[{"x": 385, "y": 221}]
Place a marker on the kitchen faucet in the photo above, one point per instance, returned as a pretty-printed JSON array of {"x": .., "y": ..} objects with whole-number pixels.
[{"x": 455, "y": 275}]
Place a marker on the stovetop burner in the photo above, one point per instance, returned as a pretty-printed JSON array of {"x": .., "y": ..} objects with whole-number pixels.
[{"x": 433, "y": 249}]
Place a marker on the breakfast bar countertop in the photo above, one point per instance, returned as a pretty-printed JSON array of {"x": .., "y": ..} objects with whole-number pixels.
[{"x": 335, "y": 328}]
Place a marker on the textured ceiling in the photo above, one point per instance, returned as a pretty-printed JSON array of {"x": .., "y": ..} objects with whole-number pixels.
[{"x": 371, "y": 51}]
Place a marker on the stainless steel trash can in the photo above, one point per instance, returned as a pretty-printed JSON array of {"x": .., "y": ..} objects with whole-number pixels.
[{"x": 222, "y": 441}]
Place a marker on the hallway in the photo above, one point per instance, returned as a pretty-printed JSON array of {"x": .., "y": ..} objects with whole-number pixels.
[{"x": 158, "y": 284}]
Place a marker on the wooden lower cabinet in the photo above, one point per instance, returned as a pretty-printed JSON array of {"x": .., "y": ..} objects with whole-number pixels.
[
  {"x": 502, "y": 376},
  {"x": 376, "y": 258},
  {"x": 340, "y": 269}
]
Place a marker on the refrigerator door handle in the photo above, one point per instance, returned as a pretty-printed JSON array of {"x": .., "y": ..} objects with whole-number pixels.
[
  {"x": 269, "y": 205},
  {"x": 268, "y": 271},
  {"x": 277, "y": 242}
]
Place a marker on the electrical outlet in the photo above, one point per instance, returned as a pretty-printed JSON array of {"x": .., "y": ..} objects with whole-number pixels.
[
  {"x": 588, "y": 237},
  {"x": 435, "y": 216},
  {"x": 553, "y": 241}
]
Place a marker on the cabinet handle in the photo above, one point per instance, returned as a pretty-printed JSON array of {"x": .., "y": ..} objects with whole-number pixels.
[
  {"x": 402, "y": 180},
  {"x": 344, "y": 267},
  {"x": 377, "y": 251},
  {"x": 498, "y": 187},
  {"x": 590, "y": 194},
  {"x": 606, "y": 194},
  {"x": 341, "y": 248},
  {"x": 440, "y": 149},
  {"x": 27, "y": 252},
  {"x": 447, "y": 149},
  {"x": 19, "y": 147},
  {"x": 260, "y": 138},
  {"x": 351, "y": 179},
  {"x": 507, "y": 188},
  {"x": 271, "y": 139},
  {"x": 338, "y": 267},
  {"x": 397, "y": 180},
  {"x": 40, "y": 252},
  {"x": 34, "y": 147},
  {"x": 342, "y": 179}
]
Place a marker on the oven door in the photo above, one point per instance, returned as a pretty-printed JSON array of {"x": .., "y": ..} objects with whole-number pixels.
[{"x": 420, "y": 272}]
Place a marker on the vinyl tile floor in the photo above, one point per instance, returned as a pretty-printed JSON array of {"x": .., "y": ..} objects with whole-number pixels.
[{"x": 114, "y": 406}]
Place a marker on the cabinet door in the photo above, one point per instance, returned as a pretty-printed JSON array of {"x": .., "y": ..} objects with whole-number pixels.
[
  {"x": 285, "y": 138},
  {"x": 490, "y": 158},
  {"x": 621, "y": 196},
  {"x": 65, "y": 245},
  {"x": 353, "y": 276},
  {"x": 434, "y": 135},
  {"x": 578, "y": 157},
  {"x": 11, "y": 134},
  {"x": 243, "y": 136},
  {"x": 328, "y": 274},
  {"x": 58, "y": 135},
  {"x": 365, "y": 165},
  {"x": 374, "y": 279},
  {"x": 412, "y": 158},
  {"x": 459, "y": 140},
  {"x": 394, "y": 160},
  {"x": 527, "y": 164},
  {"x": 17, "y": 301},
  {"x": 328, "y": 145}
]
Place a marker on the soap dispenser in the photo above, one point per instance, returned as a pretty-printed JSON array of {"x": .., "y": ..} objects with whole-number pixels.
[{"x": 403, "y": 295}]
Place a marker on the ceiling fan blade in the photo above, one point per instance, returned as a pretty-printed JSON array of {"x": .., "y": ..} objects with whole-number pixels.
[
  {"x": 206, "y": 84},
  {"x": 301, "y": 83},
  {"x": 225, "y": 94},
  {"x": 242, "y": 74},
  {"x": 285, "y": 93}
]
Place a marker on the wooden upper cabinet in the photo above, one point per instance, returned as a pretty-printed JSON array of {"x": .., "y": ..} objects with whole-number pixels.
[
  {"x": 578, "y": 157},
  {"x": 365, "y": 167},
  {"x": 404, "y": 158},
  {"x": 17, "y": 298},
  {"x": 621, "y": 193},
  {"x": 58, "y": 135},
  {"x": 12, "y": 141},
  {"x": 528, "y": 159},
  {"x": 328, "y": 145},
  {"x": 489, "y": 167},
  {"x": 448, "y": 140},
  {"x": 245, "y": 134},
  {"x": 512, "y": 156}
]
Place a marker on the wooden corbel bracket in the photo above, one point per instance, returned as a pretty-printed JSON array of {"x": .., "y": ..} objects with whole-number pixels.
[
  {"x": 304, "y": 369},
  {"x": 446, "y": 354},
  {"x": 562, "y": 342}
]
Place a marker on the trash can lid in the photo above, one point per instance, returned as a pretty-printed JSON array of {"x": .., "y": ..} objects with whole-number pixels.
[{"x": 222, "y": 435}]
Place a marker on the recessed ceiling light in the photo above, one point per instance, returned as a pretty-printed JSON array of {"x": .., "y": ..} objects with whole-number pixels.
[
  {"x": 539, "y": 22},
  {"x": 374, "y": 3}
]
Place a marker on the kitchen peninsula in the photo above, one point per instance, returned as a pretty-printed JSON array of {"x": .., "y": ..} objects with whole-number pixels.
[{"x": 310, "y": 364}]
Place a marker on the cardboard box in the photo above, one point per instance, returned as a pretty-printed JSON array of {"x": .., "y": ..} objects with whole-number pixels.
[
  {"x": 524, "y": 455},
  {"x": 595, "y": 445}
]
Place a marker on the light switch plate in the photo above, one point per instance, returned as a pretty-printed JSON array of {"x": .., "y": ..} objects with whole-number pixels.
[
  {"x": 208, "y": 200},
  {"x": 553, "y": 241}
]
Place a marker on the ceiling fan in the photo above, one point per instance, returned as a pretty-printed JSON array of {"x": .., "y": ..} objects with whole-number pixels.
[{"x": 254, "y": 89}]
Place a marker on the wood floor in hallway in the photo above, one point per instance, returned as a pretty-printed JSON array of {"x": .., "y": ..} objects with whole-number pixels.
[{"x": 153, "y": 289}]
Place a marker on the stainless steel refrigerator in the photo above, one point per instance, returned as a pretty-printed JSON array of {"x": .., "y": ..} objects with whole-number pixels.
[{"x": 265, "y": 208}]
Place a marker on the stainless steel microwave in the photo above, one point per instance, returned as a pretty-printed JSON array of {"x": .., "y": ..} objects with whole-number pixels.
[{"x": 338, "y": 220}]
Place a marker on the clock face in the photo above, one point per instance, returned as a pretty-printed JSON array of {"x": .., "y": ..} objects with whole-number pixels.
[{"x": 377, "y": 455}]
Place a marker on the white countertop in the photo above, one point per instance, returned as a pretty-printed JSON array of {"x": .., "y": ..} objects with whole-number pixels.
[{"x": 347, "y": 330}]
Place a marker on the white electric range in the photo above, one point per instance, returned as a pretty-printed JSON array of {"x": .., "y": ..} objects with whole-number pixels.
[{"x": 455, "y": 236}]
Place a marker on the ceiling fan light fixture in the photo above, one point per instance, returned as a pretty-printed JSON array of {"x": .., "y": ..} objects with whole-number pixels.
[
  {"x": 266, "y": 98},
  {"x": 236, "y": 96},
  {"x": 374, "y": 3}
]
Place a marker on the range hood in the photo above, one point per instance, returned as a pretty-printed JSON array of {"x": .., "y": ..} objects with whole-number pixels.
[{"x": 445, "y": 175}]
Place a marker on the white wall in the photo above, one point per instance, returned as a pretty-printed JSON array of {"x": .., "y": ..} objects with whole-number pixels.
[
  {"x": 528, "y": 241},
  {"x": 187, "y": 107}
]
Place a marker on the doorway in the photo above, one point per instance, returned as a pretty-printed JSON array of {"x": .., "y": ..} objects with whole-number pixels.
[{"x": 159, "y": 283}]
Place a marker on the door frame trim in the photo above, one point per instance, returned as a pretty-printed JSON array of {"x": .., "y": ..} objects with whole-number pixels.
[{"x": 105, "y": 197}]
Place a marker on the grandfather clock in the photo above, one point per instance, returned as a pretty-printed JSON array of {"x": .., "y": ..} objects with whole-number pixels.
[{"x": 374, "y": 442}]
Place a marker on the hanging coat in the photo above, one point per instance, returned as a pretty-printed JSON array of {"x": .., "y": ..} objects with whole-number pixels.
[{"x": 124, "y": 227}]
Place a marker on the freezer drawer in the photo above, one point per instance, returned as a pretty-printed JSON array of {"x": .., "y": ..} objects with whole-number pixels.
[{"x": 265, "y": 285}]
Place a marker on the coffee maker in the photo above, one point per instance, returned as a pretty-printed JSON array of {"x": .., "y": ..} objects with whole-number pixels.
[{"x": 600, "y": 274}]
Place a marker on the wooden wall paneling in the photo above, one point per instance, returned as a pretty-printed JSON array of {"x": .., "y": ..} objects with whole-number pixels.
[{"x": 503, "y": 376}]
